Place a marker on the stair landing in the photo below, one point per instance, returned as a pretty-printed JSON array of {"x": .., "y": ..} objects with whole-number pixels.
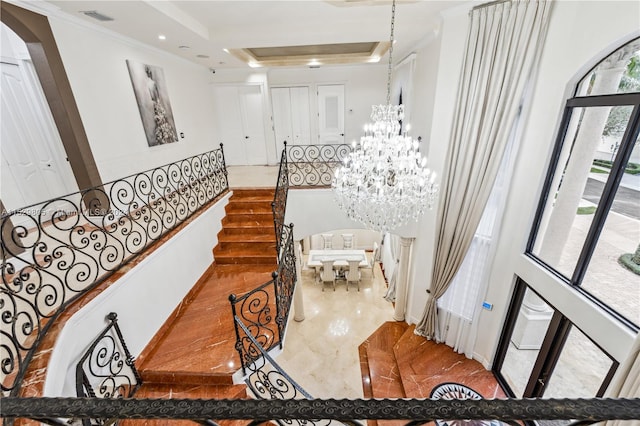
[
  {"x": 197, "y": 344},
  {"x": 396, "y": 363}
]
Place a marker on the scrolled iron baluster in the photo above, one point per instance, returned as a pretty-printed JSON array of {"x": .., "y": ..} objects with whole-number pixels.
[
  {"x": 313, "y": 165},
  {"x": 55, "y": 251}
]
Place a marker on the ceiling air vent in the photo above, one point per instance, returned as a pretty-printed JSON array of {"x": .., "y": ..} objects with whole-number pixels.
[{"x": 97, "y": 15}]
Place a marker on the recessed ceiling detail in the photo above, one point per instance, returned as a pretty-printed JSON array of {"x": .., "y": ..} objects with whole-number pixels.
[{"x": 317, "y": 54}]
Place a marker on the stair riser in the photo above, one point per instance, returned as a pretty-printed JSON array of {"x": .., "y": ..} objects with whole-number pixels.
[
  {"x": 245, "y": 260},
  {"x": 165, "y": 377},
  {"x": 251, "y": 246},
  {"x": 248, "y": 207},
  {"x": 262, "y": 218},
  {"x": 240, "y": 230}
]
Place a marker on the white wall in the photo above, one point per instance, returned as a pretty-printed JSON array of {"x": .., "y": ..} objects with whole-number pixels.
[
  {"x": 437, "y": 75},
  {"x": 143, "y": 298},
  {"x": 578, "y": 32},
  {"x": 95, "y": 61},
  {"x": 315, "y": 211}
]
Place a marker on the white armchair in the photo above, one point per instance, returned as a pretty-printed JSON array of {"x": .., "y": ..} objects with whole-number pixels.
[
  {"x": 327, "y": 274},
  {"x": 353, "y": 274}
]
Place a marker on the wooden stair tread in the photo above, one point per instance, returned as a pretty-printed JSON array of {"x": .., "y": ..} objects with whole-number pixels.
[
  {"x": 385, "y": 377},
  {"x": 381, "y": 341}
]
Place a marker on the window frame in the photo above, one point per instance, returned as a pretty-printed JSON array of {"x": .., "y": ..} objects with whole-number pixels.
[{"x": 627, "y": 143}]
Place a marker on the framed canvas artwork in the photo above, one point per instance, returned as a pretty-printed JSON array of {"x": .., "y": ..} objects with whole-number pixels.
[{"x": 150, "y": 89}]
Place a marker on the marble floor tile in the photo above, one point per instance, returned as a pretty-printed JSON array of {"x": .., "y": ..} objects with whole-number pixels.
[{"x": 321, "y": 352}]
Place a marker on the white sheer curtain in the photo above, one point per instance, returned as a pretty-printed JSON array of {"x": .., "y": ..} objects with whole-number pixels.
[{"x": 460, "y": 305}]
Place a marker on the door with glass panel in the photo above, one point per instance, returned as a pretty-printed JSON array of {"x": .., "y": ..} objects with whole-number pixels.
[
  {"x": 331, "y": 114},
  {"x": 542, "y": 354}
]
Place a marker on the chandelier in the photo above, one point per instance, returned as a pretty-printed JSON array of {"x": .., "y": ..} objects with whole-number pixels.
[{"x": 383, "y": 182}]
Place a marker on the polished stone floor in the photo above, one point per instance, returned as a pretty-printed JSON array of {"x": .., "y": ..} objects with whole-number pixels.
[{"x": 321, "y": 352}]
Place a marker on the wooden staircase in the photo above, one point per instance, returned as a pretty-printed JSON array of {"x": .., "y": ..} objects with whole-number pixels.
[
  {"x": 247, "y": 235},
  {"x": 193, "y": 355},
  {"x": 397, "y": 363}
]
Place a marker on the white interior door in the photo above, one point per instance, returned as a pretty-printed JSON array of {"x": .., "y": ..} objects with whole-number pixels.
[
  {"x": 282, "y": 125},
  {"x": 239, "y": 116},
  {"x": 229, "y": 124},
  {"x": 300, "y": 115},
  {"x": 291, "y": 116},
  {"x": 252, "y": 114},
  {"x": 34, "y": 164},
  {"x": 331, "y": 114}
]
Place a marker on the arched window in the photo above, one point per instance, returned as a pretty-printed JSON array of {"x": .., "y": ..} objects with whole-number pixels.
[{"x": 587, "y": 226}]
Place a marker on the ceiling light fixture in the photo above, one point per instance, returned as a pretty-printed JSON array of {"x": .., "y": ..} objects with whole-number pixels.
[
  {"x": 162, "y": 37},
  {"x": 383, "y": 182}
]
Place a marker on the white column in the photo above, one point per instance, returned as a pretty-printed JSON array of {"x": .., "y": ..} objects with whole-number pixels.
[
  {"x": 298, "y": 305},
  {"x": 403, "y": 277},
  {"x": 533, "y": 320}
]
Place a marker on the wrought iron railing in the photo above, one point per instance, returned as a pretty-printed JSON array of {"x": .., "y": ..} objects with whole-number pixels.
[
  {"x": 265, "y": 309},
  {"x": 414, "y": 411},
  {"x": 313, "y": 165},
  {"x": 107, "y": 369},
  {"x": 267, "y": 380},
  {"x": 256, "y": 309},
  {"x": 55, "y": 251},
  {"x": 279, "y": 204},
  {"x": 286, "y": 279}
]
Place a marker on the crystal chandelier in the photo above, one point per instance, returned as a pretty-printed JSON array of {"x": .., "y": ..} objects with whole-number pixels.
[{"x": 383, "y": 182}]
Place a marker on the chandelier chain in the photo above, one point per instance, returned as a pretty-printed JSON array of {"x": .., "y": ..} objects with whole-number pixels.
[
  {"x": 383, "y": 182},
  {"x": 393, "y": 19}
]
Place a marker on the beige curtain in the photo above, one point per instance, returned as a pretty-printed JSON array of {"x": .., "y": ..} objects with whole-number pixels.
[
  {"x": 503, "y": 45},
  {"x": 626, "y": 382}
]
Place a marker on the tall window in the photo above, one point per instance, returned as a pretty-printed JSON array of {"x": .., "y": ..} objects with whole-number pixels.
[{"x": 587, "y": 226}]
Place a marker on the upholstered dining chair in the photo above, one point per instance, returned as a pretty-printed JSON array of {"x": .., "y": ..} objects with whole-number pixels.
[
  {"x": 353, "y": 274},
  {"x": 327, "y": 241},
  {"x": 372, "y": 261},
  {"x": 327, "y": 274},
  {"x": 347, "y": 241}
]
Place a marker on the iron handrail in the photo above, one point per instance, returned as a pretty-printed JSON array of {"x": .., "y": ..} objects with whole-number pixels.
[
  {"x": 56, "y": 251},
  {"x": 415, "y": 411},
  {"x": 314, "y": 165}
]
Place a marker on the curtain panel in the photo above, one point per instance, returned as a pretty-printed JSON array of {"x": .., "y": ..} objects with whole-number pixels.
[{"x": 503, "y": 45}]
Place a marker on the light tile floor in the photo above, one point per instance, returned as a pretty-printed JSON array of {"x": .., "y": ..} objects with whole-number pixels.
[{"x": 321, "y": 352}]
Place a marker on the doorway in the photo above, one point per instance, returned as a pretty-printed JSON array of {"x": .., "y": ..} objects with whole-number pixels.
[
  {"x": 240, "y": 118},
  {"x": 331, "y": 114},
  {"x": 543, "y": 355},
  {"x": 34, "y": 163},
  {"x": 291, "y": 116}
]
